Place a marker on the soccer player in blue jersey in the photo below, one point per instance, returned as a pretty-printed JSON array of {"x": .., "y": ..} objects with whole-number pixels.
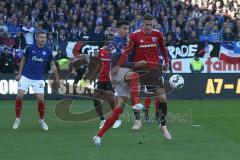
[
  {"x": 125, "y": 82},
  {"x": 31, "y": 73}
]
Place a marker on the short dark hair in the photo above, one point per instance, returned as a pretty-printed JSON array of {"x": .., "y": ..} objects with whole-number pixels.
[
  {"x": 122, "y": 22},
  {"x": 109, "y": 36},
  {"x": 148, "y": 16},
  {"x": 42, "y": 32}
]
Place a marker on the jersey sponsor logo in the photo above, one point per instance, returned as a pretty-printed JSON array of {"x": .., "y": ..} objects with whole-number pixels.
[
  {"x": 147, "y": 45},
  {"x": 34, "y": 58},
  {"x": 154, "y": 39},
  {"x": 105, "y": 59},
  {"x": 44, "y": 53}
]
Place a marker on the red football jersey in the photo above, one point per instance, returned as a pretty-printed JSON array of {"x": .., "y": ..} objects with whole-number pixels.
[
  {"x": 104, "y": 55},
  {"x": 145, "y": 47}
]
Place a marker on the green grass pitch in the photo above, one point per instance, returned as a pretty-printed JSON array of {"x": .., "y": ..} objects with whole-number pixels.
[{"x": 201, "y": 129}]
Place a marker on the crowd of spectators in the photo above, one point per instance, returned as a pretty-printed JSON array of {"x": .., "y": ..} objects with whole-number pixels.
[{"x": 92, "y": 20}]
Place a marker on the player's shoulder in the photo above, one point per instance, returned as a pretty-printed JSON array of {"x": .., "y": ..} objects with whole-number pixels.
[
  {"x": 102, "y": 49},
  {"x": 48, "y": 49},
  {"x": 137, "y": 31},
  {"x": 117, "y": 37},
  {"x": 114, "y": 40},
  {"x": 157, "y": 32},
  {"x": 30, "y": 46},
  {"x": 135, "y": 34}
]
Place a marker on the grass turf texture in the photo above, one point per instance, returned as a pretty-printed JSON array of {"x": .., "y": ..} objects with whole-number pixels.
[{"x": 212, "y": 134}]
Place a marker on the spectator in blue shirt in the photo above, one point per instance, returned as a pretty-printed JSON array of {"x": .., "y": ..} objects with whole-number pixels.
[
  {"x": 14, "y": 27},
  {"x": 203, "y": 36},
  {"x": 215, "y": 35}
]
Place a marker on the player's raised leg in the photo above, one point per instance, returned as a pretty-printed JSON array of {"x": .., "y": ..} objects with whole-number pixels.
[
  {"x": 134, "y": 87},
  {"x": 111, "y": 120},
  {"x": 111, "y": 100},
  {"x": 162, "y": 106}
]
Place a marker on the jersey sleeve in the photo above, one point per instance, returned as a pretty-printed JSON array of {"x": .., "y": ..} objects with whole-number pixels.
[
  {"x": 163, "y": 47},
  {"x": 26, "y": 52},
  {"x": 127, "y": 50}
]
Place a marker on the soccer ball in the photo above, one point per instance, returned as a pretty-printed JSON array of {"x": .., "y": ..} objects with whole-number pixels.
[{"x": 176, "y": 81}]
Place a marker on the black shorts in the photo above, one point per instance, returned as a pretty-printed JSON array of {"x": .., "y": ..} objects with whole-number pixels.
[
  {"x": 80, "y": 72},
  {"x": 104, "y": 86},
  {"x": 152, "y": 79}
]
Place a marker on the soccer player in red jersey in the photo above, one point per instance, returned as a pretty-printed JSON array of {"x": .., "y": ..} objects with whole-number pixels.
[
  {"x": 125, "y": 82},
  {"x": 145, "y": 43},
  {"x": 104, "y": 85}
]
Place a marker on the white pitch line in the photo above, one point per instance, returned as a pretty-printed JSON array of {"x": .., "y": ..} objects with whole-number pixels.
[{"x": 196, "y": 125}]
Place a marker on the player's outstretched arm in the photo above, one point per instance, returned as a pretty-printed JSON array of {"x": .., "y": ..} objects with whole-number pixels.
[
  {"x": 124, "y": 56},
  {"x": 22, "y": 63}
]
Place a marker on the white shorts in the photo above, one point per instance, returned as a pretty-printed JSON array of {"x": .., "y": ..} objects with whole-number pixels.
[
  {"x": 121, "y": 87},
  {"x": 37, "y": 85}
]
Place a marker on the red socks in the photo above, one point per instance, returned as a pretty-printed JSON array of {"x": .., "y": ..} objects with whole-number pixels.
[
  {"x": 110, "y": 121},
  {"x": 18, "y": 107},
  {"x": 134, "y": 88},
  {"x": 147, "y": 102},
  {"x": 41, "y": 109}
]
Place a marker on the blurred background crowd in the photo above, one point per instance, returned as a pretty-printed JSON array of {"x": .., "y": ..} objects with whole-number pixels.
[{"x": 92, "y": 20}]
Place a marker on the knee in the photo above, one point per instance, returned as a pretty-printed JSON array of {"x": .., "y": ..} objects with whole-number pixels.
[
  {"x": 40, "y": 101},
  {"x": 162, "y": 99},
  {"x": 19, "y": 98},
  {"x": 132, "y": 75},
  {"x": 121, "y": 102}
]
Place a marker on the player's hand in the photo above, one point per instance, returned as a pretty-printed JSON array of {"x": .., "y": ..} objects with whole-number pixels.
[
  {"x": 165, "y": 67},
  {"x": 114, "y": 71},
  {"x": 57, "y": 83},
  {"x": 141, "y": 63},
  {"x": 17, "y": 78}
]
